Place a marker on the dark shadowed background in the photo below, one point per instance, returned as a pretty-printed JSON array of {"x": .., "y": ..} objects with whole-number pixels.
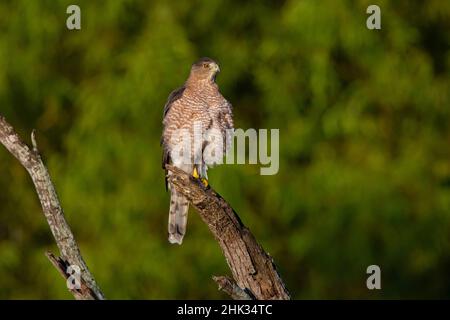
[{"x": 364, "y": 142}]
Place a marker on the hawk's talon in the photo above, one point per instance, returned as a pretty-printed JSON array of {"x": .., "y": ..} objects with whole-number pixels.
[
  {"x": 195, "y": 173},
  {"x": 205, "y": 182}
]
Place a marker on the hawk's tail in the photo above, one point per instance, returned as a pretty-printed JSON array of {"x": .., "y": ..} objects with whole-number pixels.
[{"x": 178, "y": 215}]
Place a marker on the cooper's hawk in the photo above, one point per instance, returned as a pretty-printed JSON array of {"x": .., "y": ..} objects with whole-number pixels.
[{"x": 198, "y": 125}]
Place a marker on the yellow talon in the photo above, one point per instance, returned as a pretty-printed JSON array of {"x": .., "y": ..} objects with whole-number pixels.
[
  {"x": 195, "y": 173},
  {"x": 197, "y": 176}
]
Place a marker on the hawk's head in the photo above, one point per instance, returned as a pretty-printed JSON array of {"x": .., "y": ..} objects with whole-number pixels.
[{"x": 205, "y": 69}]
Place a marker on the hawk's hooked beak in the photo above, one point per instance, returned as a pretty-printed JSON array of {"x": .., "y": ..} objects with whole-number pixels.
[{"x": 216, "y": 70}]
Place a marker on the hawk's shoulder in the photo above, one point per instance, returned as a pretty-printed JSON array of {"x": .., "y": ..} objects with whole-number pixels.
[{"x": 174, "y": 96}]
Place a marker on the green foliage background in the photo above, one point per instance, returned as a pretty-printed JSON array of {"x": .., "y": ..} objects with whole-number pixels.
[{"x": 364, "y": 142}]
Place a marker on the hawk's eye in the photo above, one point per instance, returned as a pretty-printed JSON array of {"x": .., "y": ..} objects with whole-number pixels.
[{"x": 205, "y": 65}]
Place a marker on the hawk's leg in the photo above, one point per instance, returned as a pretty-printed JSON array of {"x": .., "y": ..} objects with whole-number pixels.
[{"x": 204, "y": 174}]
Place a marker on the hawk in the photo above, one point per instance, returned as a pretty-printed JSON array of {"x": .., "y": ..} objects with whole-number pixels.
[{"x": 197, "y": 123}]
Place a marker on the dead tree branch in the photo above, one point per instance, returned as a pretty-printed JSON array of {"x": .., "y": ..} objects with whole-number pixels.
[
  {"x": 69, "y": 251},
  {"x": 232, "y": 289},
  {"x": 254, "y": 272}
]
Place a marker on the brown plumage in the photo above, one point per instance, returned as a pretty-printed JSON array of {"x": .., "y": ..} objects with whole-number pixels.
[{"x": 198, "y": 102}]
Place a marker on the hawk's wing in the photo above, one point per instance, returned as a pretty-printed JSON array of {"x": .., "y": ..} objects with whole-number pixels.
[
  {"x": 174, "y": 96},
  {"x": 228, "y": 118},
  {"x": 227, "y": 124}
]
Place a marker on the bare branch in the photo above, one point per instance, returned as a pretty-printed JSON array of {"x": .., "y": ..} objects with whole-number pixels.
[
  {"x": 69, "y": 251},
  {"x": 253, "y": 269},
  {"x": 33, "y": 141},
  {"x": 84, "y": 292},
  {"x": 232, "y": 289}
]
